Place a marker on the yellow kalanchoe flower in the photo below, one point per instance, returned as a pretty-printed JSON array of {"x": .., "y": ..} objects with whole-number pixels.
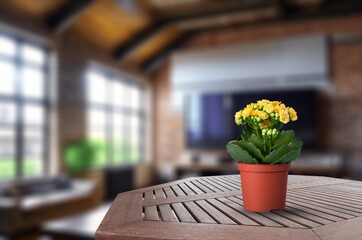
[
  {"x": 263, "y": 102},
  {"x": 238, "y": 118},
  {"x": 247, "y": 111},
  {"x": 284, "y": 116},
  {"x": 263, "y": 115},
  {"x": 269, "y": 108},
  {"x": 293, "y": 114},
  {"x": 265, "y": 124},
  {"x": 266, "y": 113}
]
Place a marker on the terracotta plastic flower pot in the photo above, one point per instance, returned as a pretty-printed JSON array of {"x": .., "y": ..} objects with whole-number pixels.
[{"x": 264, "y": 186}]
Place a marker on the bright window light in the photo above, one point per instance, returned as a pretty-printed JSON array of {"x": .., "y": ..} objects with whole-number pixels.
[
  {"x": 7, "y": 46},
  {"x": 32, "y": 54},
  {"x": 96, "y": 88},
  {"x": 7, "y": 80},
  {"x": 7, "y": 113},
  {"x": 32, "y": 82},
  {"x": 34, "y": 115}
]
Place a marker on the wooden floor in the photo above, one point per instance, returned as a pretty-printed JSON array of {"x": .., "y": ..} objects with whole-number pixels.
[{"x": 211, "y": 208}]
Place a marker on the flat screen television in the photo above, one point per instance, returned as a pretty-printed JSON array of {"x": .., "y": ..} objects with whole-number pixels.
[{"x": 210, "y": 116}]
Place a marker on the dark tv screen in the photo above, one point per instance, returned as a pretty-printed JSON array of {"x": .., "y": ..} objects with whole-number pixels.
[{"x": 210, "y": 117}]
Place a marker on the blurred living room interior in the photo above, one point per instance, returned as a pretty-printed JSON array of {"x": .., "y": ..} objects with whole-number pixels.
[{"x": 99, "y": 97}]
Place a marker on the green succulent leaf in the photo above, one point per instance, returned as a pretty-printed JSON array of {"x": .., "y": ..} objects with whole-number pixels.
[
  {"x": 289, "y": 157},
  {"x": 239, "y": 154},
  {"x": 251, "y": 149},
  {"x": 283, "y": 138},
  {"x": 247, "y": 132},
  {"x": 256, "y": 141},
  {"x": 277, "y": 155}
]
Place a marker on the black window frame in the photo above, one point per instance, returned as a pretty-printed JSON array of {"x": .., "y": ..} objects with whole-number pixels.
[{"x": 20, "y": 102}]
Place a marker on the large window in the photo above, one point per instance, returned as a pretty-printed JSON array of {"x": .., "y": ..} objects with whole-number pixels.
[
  {"x": 115, "y": 117},
  {"x": 23, "y": 108}
]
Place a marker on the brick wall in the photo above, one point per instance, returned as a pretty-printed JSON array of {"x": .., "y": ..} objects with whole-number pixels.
[{"x": 344, "y": 105}]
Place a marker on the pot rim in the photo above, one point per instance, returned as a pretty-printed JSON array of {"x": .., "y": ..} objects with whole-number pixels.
[{"x": 245, "y": 167}]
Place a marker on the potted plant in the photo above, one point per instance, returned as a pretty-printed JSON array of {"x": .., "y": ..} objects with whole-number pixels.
[
  {"x": 264, "y": 154},
  {"x": 80, "y": 156}
]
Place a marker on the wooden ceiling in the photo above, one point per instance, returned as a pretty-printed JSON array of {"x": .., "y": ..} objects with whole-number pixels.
[{"x": 139, "y": 32}]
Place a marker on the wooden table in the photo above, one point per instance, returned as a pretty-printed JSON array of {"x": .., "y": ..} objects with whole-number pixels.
[{"x": 211, "y": 208}]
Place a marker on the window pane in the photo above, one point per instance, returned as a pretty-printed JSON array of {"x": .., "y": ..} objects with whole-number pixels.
[
  {"x": 7, "y": 153},
  {"x": 33, "y": 143},
  {"x": 32, "y": 82},
  {"x": 7, "y": 46},
  {"x": 98, "y": 135},
  {"x": 7, "y": 81},
  {"x": 32, "y": 165},
  {"x": 118, "y": 121},
  {"x": 7, "y": 113},
  {"x": 118, "y": 93},
  {"x": 32, "y": 54},
  {"x": 135, "y": 98},
  {"x": 7, "y": 142},
  {"x": 7, "y": 167},
  {"x": 34, "y": 115},
  {"x": 97, "y": 118},
  {"x": 96, "y": 88}
]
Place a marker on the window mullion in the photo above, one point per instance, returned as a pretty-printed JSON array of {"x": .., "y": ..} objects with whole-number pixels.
[
  {"x": 109, "y": 122},
  {"x": 46, "y": 115},
  {"x": 19, "y": 128}
]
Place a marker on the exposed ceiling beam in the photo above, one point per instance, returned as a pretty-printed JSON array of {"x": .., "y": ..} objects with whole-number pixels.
[
  {"x": 126, "y": 49},
  {"x": 67, "y": 14},
  {"x": 154, "y": 60}
]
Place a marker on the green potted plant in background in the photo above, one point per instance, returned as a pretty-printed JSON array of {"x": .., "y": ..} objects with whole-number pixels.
[
  {"x": 264, "y": 153},
  {"x": 81, "y": 159},
  {"x": 80, "y": 156}
]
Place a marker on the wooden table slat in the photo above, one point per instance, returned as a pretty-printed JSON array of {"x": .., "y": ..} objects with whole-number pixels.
[
  {"x": 186, "y": 189},
  {"x": 354, "y": 205},
  {"x": 159, "y": 193},
  {"x": 216, "y": 214},
  {"x": 206, "y": 185},
  {"x": 316, "y": 202},
  {"x": 202, "y": 187},
  {"x": 149, "y": 195},
  {"x": 182, "y": 213},
  {"x": 283, "y": 221},
  {"x": 231, "y": 213},
  {"x": 196, "y": 189},
  {"x": 212, "y": 185},
  {"x": 329, "y": 195},
  {"x": 235, "y": 203},
  {"x": 321, "y": 209},
  {"x": 151, "y": 214},
  {"x": 337, "y": 193},
  {"x": 169, "y": 192},
  {"x": 178, "y": 190},
  {"x": 199, "y": 214},
  {"x": 225, "y": 184},
  {"x": 320, "y": 217},
  {"x": 298, "y": 219},
  {"x": 167, "y": 214}
]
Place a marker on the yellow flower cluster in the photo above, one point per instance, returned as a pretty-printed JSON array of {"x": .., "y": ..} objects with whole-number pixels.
[{"x": 266, "y": 112}]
